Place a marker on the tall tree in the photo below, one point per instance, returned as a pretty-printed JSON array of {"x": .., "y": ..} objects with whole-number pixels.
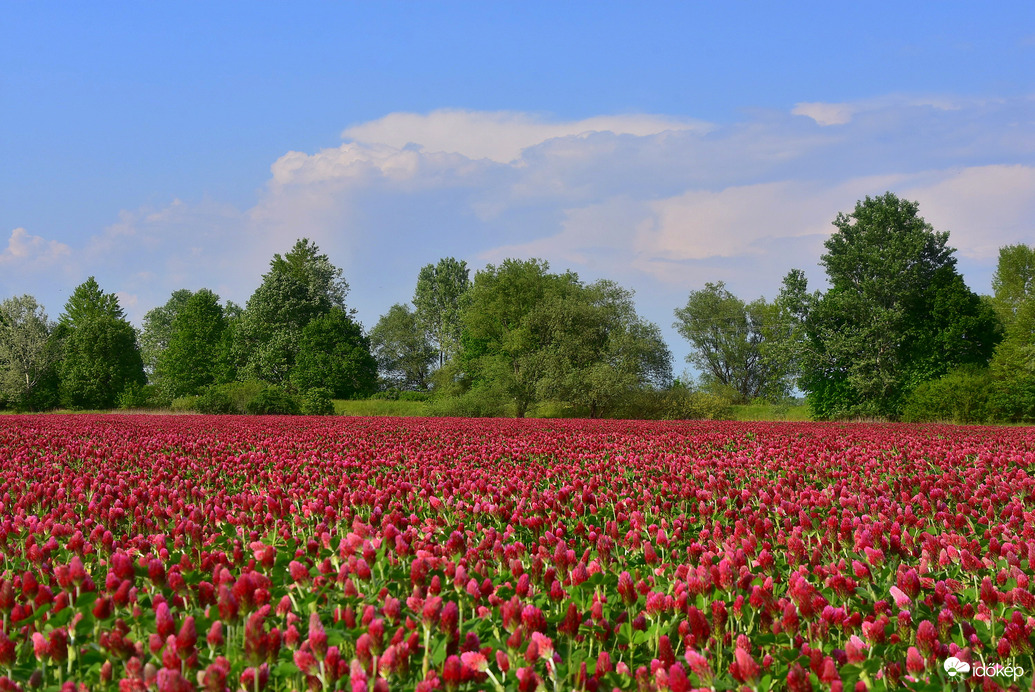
[
  {"x": 88, "y": 302},
  {"x": 403, "y": 352},
  {"x": 300, "y": 287},
  {"x": 531, "y": 335},
  {"x": 28, "y": 354},
  {"x": 729, "y": 342},
  {"x": 311, "y": 267},
  {"x": 596, "y": 349},
  {"x": 1013, "y": 365},
  {"x": 189, "y": 362},
  {"x": 101, "y": 357},
  {"x": 1013, "y": 283},
  {"x": 157, "y": 330},
  {"x": 897, "y": 313},
  {"x": 438, "y": 300},
  {"x": 503, "y": 348},
  {"x": 334, "y": 354}
]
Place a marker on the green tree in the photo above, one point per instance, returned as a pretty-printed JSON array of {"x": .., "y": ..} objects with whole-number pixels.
[
  {"x": 438, "y": 300},
  {"x": 531, "y": 335},
  {"x": 308, "y": 265},
  {"x": 28, "y": 354},
  {"x": 1012, "y": 368},
  {"x": 503, "y": 351},
  {"x": 595, "y": 349},
  {"x": 101, "y": 360},
  {"x": 101, "y": 356},
  {"x": 1013, "y": 283},
  {"x": 157, "y": 329},
  {"x": 333, "y": 354},
  {"x": 190, "y": 361},
  {"x": 897, "y": 313},
  {"x": 299, "y": 288},
  {"x": 89, "y": 302},
  {"x": 729, "y": 339},
  {"x": 401, "y": 347}
]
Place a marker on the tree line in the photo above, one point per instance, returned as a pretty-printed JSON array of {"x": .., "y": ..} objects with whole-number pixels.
[{"x": 897, "y": 335}]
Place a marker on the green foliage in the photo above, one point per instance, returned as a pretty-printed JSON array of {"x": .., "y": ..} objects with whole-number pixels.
[
  {"x": 317, "y": 402},
  {"x": 960, "y": 396},
  {"x": 736, "y": 345},
  {"x": 333, "y": 353},
  {"x": 215, "y": 400},
  {"x": 87, "y": 303},
  {"x": 299, "y": 288},
  {"x": 29, "y": 355},
  {"x": 532, "y": 336},
  {"x": 478, "y": 402},
  {"x": 595, "y": 350},
  {"x": 375, "y": 407},
  {"x": 137, "y": 396},
  {"x": 190, "y": 360},
  {"x": 1013, "y": 283},
  {"x": 231, "y": 397},
  {"x": 306, "y": 264},
  {"x": 101, "y": 360},
  {"x": 785, "y": 410},
  {"x": 439, "y": 299},
  {"x": 157, "y": 330},
  {"x": 400, "y": 395},
  {"x": 273, "y": 400},
  {"x": 674, "y": 403},
  {"x": 897, "y": 314},
  {"x": 402, "y": 350},
  {"x": 184, "y": 404}
]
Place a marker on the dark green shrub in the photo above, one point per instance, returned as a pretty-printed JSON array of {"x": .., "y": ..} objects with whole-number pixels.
[
  {"x": 215, "y": 400},
  {"x": 241, "y": 393},
  {"x": 960, "y": 396},
  {"x": 406, "y": 395},
  {"x": 142, "y": 396},
  {"x": 317, "y": 402},
  {"x": 1013, "y": 400},
  {"x": 184, "y": 404},
  {"x": 273, "y": 401},
  {"x": 676, "y": 403},
  {"x": 385, "y": 395},
  {"x": 475, "y": 403}
]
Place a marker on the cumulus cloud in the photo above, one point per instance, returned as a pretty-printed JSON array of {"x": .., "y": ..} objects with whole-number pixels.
[
  {"x": 661, "y": 204},
  {"x": 501, "y": 135},
  {"x": 24, "y": 250},
  {"x": 826, "y": 114},
  {"x": 983, "y": 207}
]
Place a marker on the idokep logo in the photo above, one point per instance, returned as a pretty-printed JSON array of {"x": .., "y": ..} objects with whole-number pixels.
[
  {"x": 955, "y": 668},
  {"x": 958, "y": 669}
]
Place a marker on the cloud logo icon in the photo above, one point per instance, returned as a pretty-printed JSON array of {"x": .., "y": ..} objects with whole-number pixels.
[{"x": 955, "y": 668}]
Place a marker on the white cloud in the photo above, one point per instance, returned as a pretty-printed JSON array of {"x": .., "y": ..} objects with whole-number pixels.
[
  {"x": 983, "y": 207},
  {"x": 501, "y": 135},
  {"x": 24, "y": 250},
  {"x": 660, "y": 204},
  {"x": 826, "y": 113}
]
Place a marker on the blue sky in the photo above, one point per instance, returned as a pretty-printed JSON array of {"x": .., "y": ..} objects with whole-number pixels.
[{"x": 169, "y": 145}]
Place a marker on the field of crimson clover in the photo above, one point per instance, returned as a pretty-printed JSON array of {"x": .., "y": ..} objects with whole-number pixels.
[{"x": 224, "y": 553}]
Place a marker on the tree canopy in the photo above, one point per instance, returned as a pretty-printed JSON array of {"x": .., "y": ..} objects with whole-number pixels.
[
  {"x": 190, "y": 361},
  {"x": 438, "y": 300},
  {"x": 897, "y": 313},
  {"x": 101, "y": 357},
  {"x": 402, "y": 349},
  {"x": 28, "y": 354},
  {"x": 530, "y": 335}
]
